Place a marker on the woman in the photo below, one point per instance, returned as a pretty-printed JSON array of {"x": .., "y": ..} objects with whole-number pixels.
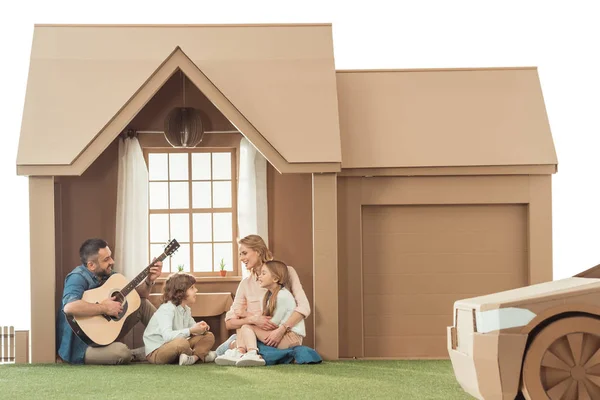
[{"x": 247, "y": 305}]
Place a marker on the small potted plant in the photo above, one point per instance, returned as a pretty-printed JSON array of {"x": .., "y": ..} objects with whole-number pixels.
[
  {"x": 222, "y": 271},
  {"x": 180, "y": 267}
]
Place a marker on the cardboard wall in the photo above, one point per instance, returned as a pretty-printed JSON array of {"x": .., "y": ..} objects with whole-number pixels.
[
  {"x": 86, "y": 207},
  {"x": 42, "y": 256},
  {"x": 290, "y": 229},
  {"x": 354, "y": 193}
]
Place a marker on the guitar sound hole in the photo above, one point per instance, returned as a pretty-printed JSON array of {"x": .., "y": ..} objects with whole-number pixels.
[{"x": 121, "y": 299}]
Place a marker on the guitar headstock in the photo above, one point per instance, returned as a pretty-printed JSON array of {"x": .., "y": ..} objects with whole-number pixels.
[{"x": 171, "y": 248}]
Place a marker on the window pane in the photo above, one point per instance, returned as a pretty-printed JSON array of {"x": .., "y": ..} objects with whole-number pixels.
[
  {"x": 159, "y": 195},
  {"x": 221, "y": 165},
  {"x": 200, "y": 194},
  {"x": 181, "y": 257},
  {"x": 155, "y": 251},
  {"x": 223, "y": 251},
  {"x": 200, "y": 166},
  {"x": 179, "y": 194},
  {"x": 180, "y": 227},
  {"x": 178, "y": 166},
  {"x": 157, "y": 167},
  {"x": 222, "y": 227},
  {"x": 159, "y": 228},
  {"x": 203, "y": 257},
  {"x": 222, "y": 194},
  {"x": 202, "y": 227}
]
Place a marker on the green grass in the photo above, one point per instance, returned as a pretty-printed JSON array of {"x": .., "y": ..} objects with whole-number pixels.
[{"x": 329, "y": 380}]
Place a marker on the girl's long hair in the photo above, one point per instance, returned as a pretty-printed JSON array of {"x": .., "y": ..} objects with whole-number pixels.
[
  {"x": 176, "y": 287},
  {"x": 280, "y": 273},
  {"x": 257, "y": 244}
]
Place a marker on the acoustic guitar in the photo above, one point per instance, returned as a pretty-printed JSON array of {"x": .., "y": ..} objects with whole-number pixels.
[{"x": 102, "y": 330}]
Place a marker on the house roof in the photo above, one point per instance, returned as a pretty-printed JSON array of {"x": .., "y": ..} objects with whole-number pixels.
[
  {"x": 278, "y": 85},
  {"x": 279, "y": 80},
  {"x": 443, "y": 118}
]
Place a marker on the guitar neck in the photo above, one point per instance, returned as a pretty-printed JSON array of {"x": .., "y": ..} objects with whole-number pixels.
[{"x": 140, "y": 277}]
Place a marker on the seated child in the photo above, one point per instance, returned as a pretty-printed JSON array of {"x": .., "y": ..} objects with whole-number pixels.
[
  {"x": 279, "y": 304},
  {"x": 172, "y": 334}
]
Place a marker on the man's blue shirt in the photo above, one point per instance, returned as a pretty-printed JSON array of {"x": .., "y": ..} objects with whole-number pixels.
[{"x": 70, "y": 347}]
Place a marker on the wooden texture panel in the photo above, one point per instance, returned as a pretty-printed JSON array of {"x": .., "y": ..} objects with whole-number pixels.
[
  {"x": 325, "y": 265},
  {"x": 42, "y": 253},
  {"x": 418, "y": 260},
  {"x": 289, "y": 198}
]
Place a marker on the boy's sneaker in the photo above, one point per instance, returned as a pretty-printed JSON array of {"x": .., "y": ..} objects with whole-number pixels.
[
  {"x": 250, "y": 359},
  {"x": 210, "y": 357},
  {"x": 184, "y": 359},
  {"x": 230, "y": 357}
]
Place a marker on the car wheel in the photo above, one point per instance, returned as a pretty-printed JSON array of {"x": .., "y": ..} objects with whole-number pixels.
[{"x": 563, "y": 361}]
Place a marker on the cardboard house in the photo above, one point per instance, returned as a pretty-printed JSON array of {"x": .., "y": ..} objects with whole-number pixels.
[{"x": 393, "y": 193}]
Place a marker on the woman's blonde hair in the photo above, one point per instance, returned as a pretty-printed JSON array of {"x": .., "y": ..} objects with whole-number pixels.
[
  {"x": 176, "y": 287},
  {"x": 280, "y": 274},
  {"x": 257, "y": 244}
]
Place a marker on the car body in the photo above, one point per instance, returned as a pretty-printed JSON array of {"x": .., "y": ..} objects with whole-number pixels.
[{"x": 492, "y": 335}]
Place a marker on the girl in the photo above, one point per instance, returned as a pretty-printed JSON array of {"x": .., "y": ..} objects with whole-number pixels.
[
  {"x": 279, "y": 304},
  {"x": 172, "y": 334}
]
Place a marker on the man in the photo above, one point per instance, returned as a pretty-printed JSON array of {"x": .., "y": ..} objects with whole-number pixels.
[{"x": 97, "y": 266}]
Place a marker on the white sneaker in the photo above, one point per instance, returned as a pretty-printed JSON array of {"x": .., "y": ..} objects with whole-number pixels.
[
  {"x": 230, "y": 357},
  {"x": 210, "y": 357},
  {"x": 250, "y": 359},
  {"x": 184, "y": 359}
]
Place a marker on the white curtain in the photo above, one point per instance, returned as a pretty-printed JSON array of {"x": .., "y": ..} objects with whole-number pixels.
[
  {"x": 252, "y": 194},
  {"x": 131, "y": 247}
]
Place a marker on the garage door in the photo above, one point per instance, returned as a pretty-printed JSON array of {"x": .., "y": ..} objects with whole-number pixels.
[{"x": 418, "y": 260}]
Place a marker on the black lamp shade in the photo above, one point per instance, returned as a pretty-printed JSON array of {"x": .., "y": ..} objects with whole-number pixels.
[{"x": 183, "y": 127}]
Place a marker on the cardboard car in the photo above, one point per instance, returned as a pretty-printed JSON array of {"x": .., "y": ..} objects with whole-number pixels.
[{"x": 541, "y": 341}]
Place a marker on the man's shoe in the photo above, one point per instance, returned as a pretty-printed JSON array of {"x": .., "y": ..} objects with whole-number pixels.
[{"x": 139, "y": 354}]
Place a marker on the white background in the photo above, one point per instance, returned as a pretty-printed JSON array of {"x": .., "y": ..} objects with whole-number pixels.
[{"x": 561, "y": 38}]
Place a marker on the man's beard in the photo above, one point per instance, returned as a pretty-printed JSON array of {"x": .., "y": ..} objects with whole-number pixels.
[{"x": 102, "y": 273}]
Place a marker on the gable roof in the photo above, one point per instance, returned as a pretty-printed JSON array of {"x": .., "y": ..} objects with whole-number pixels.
[
  {"x": 87, "y": 82},
  {"x": 443, "y": 118}
]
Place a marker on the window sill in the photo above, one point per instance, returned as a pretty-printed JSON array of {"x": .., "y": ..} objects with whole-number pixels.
[{"x": 208, "y": 279}]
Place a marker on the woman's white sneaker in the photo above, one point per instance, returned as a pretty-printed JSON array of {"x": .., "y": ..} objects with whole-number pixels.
[
  {"x": 230, "y": 357},
  {"x": 250, "y": 359}
]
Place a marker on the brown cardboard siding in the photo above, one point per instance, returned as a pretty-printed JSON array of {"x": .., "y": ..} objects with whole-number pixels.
[
  {"x": 459, "y": 250},
  {"x": 290, "y": 229},
  {"x": 42, "y": 256},
  {"x": 87, "y": 207},
  {"x": 532, "y": 192},
  {"x": 325, "y": 265},
  {"x": 491, "y": 117},
  {"x": 349, "y": 268}
]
